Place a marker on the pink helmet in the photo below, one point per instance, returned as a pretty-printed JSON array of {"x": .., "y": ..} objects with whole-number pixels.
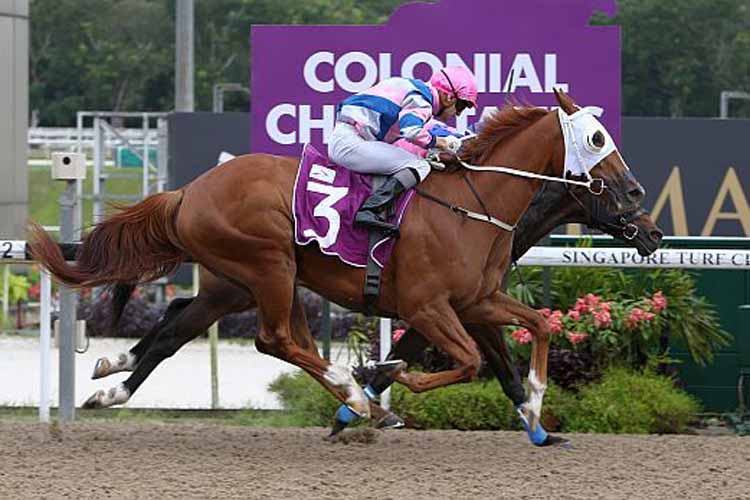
[{"x": 457, "y": 81}]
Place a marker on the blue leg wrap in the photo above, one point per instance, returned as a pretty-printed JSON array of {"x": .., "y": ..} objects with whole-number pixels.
[
  {"x": 346, "y": 415},
  {"x": 539, "y": 435},
  {"x": 371, "y": 393}
]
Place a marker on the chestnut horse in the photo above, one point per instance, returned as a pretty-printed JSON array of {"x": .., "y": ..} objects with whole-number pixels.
[
  {"x": 186, "y": 319},
  {"x": 236, "y": 221}
]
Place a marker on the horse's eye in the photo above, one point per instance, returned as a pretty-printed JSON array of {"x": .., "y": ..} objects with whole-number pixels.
[{"x": 598, "y": 139}]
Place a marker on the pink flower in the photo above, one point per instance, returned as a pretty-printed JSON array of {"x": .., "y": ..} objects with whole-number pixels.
[
  {"x": 592, "y": 300},
  {"x": 397, "y": 334},
  {"x": 636, "y": 316},
  {"x": 574, "y": 315},
  {"x": 545, "y": 312},
  {"x": 554, "y": 322},
  {"x": 576, "y": 337},
  {"x": 605, "y": 306},
  {"x": 522, "y": 336},
  {"x": 658, "y": 302},
  {"x": 602, "y": 319},
  {"x": 581, "y": 306}
]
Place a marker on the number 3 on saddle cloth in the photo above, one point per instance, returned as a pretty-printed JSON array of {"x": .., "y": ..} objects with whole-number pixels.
[{"x": 326, "y": 198}]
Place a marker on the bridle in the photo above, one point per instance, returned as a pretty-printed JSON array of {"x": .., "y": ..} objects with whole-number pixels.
[
  {"x": 595, "y": 210},
  {"x": 601, "y": 218}
]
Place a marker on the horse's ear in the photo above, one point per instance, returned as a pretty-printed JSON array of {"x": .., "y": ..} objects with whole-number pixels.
[{"x": 566, "y": 103}]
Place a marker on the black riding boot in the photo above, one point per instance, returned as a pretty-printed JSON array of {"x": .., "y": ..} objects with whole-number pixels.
[{"x": 374, "y": 211}]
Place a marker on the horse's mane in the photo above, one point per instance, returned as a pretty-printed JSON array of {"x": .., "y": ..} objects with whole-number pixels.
[{"x": 498, "y": 127}]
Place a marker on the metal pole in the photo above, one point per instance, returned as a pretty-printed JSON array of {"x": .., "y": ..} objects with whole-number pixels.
[
  {"x": 68, "y": 303},
  {"x": 546, "y": 280},
  {"x": 385, "y": 348},
  {"x": 213, "y": 340},
  {"x": 161, "y": 160},
  {"x": 98, "y": 164},
  {"x": 184, "y": 74},
  {"x": 78, "y": 209},
  {"x": 45, "y": 296},
  {"x": 145, "y": 156},
  {"x": 325, "y": 328},
  {"x": 218, "y": 106},
  {"x": 726, "y": 95}
]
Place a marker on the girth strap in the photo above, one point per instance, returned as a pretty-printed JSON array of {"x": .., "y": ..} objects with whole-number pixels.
[{"x": 372, "y": 273}]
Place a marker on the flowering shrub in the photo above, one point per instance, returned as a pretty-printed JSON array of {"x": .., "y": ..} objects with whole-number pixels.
[{"x": 609, "y": 330}]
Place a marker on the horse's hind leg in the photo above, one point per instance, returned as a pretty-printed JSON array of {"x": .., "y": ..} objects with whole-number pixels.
[
  {"x": 283, "y": 335},
  {"x": 194, "y": 317},
  {"x": 127, "y": 361}
]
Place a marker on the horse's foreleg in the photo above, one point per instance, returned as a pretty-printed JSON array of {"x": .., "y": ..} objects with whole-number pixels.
[
  {"x": 500, "y": 309},
  {"x": 127, "y": 361},
  {"x": 440, "y": 326},
  {"x": 406, "y": 349},
  {"x": 497, "y": 355}
]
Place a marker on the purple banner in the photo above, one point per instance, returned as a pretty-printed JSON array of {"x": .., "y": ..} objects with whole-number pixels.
[{"x": 522, "y": 49}]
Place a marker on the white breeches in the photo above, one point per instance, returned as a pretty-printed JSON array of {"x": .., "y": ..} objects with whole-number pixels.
[{"x": 348, "y": 149}]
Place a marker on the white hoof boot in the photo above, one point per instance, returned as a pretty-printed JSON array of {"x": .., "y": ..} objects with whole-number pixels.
[
  {"x": 536, "y": 395},
  {"x": 341, "y": 377},
  {"x": 125, "y": 362},
  {"x": 115, "y": 396}
]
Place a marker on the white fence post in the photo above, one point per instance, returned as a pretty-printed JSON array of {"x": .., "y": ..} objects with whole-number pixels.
[
  {"x": 45, "y": 297},
  {"x": 385, "y": 348},
  {"x": 6, "y": 293}
]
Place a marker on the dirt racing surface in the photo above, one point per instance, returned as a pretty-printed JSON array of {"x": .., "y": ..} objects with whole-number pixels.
[{"x": 102, "y": 460}]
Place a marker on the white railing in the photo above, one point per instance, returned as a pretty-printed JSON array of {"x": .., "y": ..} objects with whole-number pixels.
[
  {"x": 68, "y": 138},
  {"x": 14, "y": 251}
]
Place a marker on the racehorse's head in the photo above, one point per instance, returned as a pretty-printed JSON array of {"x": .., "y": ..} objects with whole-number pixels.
[{"x": 612, "y": 200}]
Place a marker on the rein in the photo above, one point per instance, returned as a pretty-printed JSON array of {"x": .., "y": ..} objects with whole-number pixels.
[
  {"x": 464, "y": 212},
  {"x": 598, "y": 218}
]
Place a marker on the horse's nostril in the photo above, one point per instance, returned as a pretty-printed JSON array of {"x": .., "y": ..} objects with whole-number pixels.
[
  {"x": 636, "y": 194},
  {"x": 656, "y": 236}
]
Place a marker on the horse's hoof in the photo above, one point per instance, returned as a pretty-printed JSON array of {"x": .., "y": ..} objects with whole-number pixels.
[
  {"x": 557, "y": 441},
  {"x": 115, "y": 396},
  {"x": 101, "y": 368},
  {"x": 390, "y": 421},
  {"x": 338, "y": 426},
  {"x": 95, "y": 401}
]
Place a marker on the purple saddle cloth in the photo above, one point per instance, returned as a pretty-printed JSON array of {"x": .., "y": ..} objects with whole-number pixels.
[{"x": 326, "y": 198}]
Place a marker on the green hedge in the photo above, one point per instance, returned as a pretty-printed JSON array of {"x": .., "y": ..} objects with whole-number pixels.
[
  {"x": 623, "y": 402},
  {"x": 633, "y": 403},
  {"x": 301, "y": 394}
]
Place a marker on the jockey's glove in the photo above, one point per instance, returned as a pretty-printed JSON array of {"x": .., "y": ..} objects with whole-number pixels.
[{"x": 452, "y": 144}]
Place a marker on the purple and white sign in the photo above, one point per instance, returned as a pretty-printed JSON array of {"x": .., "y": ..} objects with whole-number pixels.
[{"x": 523, "y": 49}]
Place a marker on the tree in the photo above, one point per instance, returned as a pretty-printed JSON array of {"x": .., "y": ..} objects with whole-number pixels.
[
  {"x": 119, "y": 54},
  {"x": 679, "y": 55}
]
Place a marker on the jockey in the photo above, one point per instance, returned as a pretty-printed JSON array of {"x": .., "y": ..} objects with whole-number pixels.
[{"x": 368, "y": 123}]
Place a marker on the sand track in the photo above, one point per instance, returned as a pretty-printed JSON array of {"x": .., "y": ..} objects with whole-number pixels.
[{"x": 115, "y": 460}]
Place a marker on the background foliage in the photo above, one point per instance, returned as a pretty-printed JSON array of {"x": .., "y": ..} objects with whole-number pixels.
[
  {"x": 118, "y": 54},
  {"x": 624, "y": 401}
]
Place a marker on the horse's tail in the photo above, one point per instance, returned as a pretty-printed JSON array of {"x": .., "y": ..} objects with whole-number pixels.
[
  {"x": 121, "y": 293},
  {"x": 135, "y": 245}
]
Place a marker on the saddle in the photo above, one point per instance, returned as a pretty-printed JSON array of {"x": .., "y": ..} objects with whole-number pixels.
[{"x": 326, "y": 199}]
